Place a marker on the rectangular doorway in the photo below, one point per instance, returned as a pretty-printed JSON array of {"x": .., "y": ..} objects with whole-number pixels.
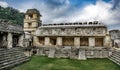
[
  {"x": 68, "y": 41},
  {"x": 98, "y": 42},
  {"x": 53, "y": 41},
  {"x": 84, "y": 41},
  {"x": 41, "y": 40}
]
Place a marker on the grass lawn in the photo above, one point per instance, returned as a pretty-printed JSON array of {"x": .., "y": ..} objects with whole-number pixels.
[{"x": 45, "y": 63}]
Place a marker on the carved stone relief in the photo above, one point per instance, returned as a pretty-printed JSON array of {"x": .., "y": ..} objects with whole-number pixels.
[{"x": 71, "y": 31}]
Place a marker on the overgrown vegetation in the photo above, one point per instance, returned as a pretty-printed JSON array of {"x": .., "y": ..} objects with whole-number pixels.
[
  {"x": 45, "y": 63},
  {"x": 12, "y": 15}
]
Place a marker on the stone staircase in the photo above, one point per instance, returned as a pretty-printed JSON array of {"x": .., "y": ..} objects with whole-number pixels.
[
  {"x": 115, "y": 57},
  {"x": 11, "y": 57}
]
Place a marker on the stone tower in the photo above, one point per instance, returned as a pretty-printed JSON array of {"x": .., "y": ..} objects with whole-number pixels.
[
  {"x": 32, "y": 20},
  {"x": 31, "y": 23}
]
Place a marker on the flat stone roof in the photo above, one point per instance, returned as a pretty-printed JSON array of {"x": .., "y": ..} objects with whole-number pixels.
[
  {"x": 7, "y": 26},
  {"x": 33, "y": 11},
  {"x": 75, "y": 24}
]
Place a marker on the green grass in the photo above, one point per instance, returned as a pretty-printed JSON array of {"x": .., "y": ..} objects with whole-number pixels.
[{"x": 45, "y": 63}]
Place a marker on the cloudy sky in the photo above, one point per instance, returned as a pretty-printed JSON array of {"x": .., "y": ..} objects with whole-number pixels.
[{"x": 57, "y": 11}]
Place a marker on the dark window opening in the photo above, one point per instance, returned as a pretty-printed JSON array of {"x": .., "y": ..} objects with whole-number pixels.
[
  {"x": 84, "y": 42},
  {"x": 31, "y": 16},
  {"x": 29, "y": 24}
]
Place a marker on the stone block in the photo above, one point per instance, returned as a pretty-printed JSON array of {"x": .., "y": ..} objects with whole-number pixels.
[
  {"x": 82, "y": 55},
  {"x": 51, "y": 53}
]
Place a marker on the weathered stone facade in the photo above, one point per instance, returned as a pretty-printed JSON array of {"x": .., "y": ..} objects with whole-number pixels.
[
  {"x": 79, "y": 40},
  {"x": 94, "y": 35},
  {"x": 10, "y": 35},
  {"x": 115, "y": 36},
  {"x": 73, "y": 52}
]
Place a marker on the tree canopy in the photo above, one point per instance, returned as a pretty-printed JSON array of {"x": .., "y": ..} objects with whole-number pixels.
[{"x": 12, "y": 15}]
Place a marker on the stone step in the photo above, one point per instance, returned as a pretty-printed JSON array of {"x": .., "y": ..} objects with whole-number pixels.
[
  {"x": 12, "y": 59},
  {"x": 118, "y": 53},
  {"x": 115, "y": 55},
  {"x": 8, "y": 57},
  {"x": 8, "y": 52},
  {"x": 2, "y": 49},
  {"x": 14, "y": 63},
  {"x": 115, "y": 60}
]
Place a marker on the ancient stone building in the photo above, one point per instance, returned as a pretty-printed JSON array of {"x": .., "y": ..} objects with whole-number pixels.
[
  {"x": 115, "y": 37},
  {"x": 31, "y": 23},
  {"x": 10, "y": 35},
  {"x": 87, "y": 34},
  {"x": 66, "y": 39},
  {"x": 78, "y": 34}
]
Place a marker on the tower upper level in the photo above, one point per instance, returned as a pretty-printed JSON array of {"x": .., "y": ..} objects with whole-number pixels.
[
  {"x": 32, "y": 14},
  {"x": 32, "y": 20}
]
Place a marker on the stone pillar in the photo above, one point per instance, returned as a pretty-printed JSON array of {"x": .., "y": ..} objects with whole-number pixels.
[
  {"x": 47, "y": 41},
  {"x": 91, "y": 41},
  {"x": 59, "y": 41},
  {"x": 107, "y": 41},
  {"x": 20, "y": 42},
  {"x": 35, "y": 41},
  {"x": 34, "y": 15},
  {"x": 9, "y": 40},
  {"x": 82, "y": 54},
  {"x": 77, "y": 41},
  {"x": 26, "y": 17}
]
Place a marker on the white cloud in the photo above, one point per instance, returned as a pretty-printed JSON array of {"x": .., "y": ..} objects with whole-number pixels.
[
  {"x": 4, "y": 4},
  {"x": 49, "y": 13},
  {"x": 101, "y": 11}
]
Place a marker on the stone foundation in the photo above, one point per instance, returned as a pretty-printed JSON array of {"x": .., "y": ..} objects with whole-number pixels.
[{"x": 72, "y": 52}]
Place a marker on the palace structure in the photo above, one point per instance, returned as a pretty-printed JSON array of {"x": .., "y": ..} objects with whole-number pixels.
[
  {"x": 78, "y": 40},
  {"x": 78, "y": 34},
  {"x": 75, "y": 40}
]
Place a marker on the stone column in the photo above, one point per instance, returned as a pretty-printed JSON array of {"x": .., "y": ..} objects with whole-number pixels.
[
  {"x": 59, "y": 41},
  {"x": 35, "y": 41},
  {"x": 47, "y": 41},
  {"x": 9, "y": 40},
  {"x": 20, "y": 42},
  {"x": 77, "y": 41},
  {"x": 107, "y": 41},
  {"x": 91, "y": 41}
]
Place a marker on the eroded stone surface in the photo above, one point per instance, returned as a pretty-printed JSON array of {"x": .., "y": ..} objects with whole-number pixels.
[
  {"x": 51, "y": 53},
  {"x": 82, "y": 55}
]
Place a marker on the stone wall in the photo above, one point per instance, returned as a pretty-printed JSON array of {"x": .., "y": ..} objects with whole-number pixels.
[
  {"x": 72, "y": 52},
  {"x": 73, "y": 31}
]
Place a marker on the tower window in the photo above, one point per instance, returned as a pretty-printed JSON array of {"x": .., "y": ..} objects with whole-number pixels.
[
  {"x": 29, "y": 24},
  {"x": 30, "y": 16}
]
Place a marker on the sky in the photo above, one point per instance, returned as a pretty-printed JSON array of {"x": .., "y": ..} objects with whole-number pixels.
[{"x": 62, "y": 11}]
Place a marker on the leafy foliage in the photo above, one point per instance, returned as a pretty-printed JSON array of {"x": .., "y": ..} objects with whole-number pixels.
[{"x": 12, "y": 15}]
